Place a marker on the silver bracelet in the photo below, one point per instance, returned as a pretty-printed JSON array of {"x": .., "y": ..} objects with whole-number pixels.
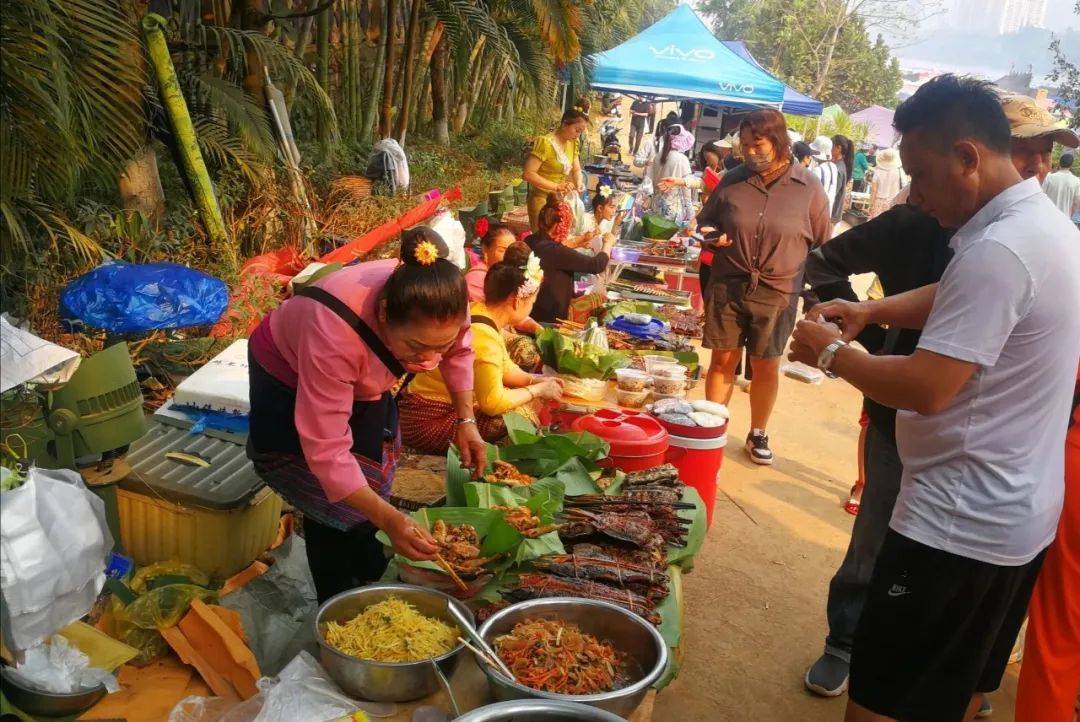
[{"x": 463, "y": 421}]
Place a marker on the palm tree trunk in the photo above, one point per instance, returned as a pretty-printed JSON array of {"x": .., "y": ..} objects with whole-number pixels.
[
  {"x": 386, "y": 115},
  {"x": 140, "y": 186},
  {"x": 371, "y": 110},
  {"x": 438, "y": 92},
  {"x": 409, "y": 58},
  {"x": 186, "y": 138}
]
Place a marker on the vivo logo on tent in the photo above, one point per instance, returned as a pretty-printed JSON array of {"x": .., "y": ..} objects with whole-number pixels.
[
  {"x": 729, "y": 87},
  {"x": 674, "y": 52}
]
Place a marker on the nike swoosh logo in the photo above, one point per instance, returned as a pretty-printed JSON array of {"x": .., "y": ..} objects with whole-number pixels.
[{"x": 897, "y": 594}]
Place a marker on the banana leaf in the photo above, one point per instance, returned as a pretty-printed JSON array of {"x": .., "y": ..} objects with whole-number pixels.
[
  {"x": 540, "y": 502},
  {"x": 671, "y": 624},
  {"x": 695, "y": 536},
  {"x": 625, "y": 308},
  {"x": 543, "y": 456},
  {"x": 496, "y": 536},
  {"x": 569, "y": 356},
  {"x": 457, "y": 476}
]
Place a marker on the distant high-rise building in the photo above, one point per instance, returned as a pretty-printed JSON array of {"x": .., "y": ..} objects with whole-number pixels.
[{"x": 998, "y": 17}]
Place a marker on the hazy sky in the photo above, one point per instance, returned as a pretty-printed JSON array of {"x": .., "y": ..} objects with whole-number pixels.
[{"x": 1059, "y": 14}]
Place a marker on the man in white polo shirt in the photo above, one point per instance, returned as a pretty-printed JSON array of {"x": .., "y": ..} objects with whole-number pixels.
[{"x": 984, "y": 404}]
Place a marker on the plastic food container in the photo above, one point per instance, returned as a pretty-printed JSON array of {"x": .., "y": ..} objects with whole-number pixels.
[
  {"x": 638, "y": 441},
  {"x": 631, "y": 379},
  {"x": 653, "y": 362},
  {"x": 631, "y": 399},
  {"x": 669, "y": 385},
  {"x": 671, "y": 371},
  {"x": 676, "y": 395},
  {"x": 584, "y": 389}
]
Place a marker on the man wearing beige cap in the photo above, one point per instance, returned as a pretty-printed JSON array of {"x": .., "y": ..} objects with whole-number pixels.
[{"x": 1034, "y": 132}]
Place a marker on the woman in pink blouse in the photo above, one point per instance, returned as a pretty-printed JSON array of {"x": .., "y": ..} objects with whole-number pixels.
[{"x": 323, "y": 422}]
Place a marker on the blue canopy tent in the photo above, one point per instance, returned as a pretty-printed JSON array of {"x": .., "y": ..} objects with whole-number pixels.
[
  {"x": 678, "y": 58},
  {"x": 795, "y": 102}
]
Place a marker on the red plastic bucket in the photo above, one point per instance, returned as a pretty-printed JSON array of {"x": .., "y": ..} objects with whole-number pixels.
[
  {"x": 698, "y": 462},
  {"x": 638, "y": 441}
]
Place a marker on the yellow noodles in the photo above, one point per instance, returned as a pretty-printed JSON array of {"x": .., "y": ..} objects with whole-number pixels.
[{"x": 392, "y": 631}]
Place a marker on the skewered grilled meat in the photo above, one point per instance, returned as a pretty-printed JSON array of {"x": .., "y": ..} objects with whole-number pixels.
[
  {"x": 609, "y": 552},
  {"x": 507, "y": 474},
  {"x": 535, "y": 585},
  {"x": 638, "y": 495},
  {"x": 663, "y": 475},
  {"x": 644, "y": 580},
  {"x": 522, "y": 519},
  {"x": 628, "y": 525}
]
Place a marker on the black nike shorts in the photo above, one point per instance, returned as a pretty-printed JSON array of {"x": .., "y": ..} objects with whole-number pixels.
[{"x": 936, "y": 629}]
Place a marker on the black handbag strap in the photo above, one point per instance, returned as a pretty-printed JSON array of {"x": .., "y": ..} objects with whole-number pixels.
[
  {"x": 477, "y": 318},
  {"x": 364, "y": 331}
]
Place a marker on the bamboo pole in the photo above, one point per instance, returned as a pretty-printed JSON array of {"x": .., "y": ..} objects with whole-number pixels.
[
  {"x": 386, "y": 116},
  {"x": 409, "y": 58},
  {"x": 186, "y": 138},
  {"x": 322, "y": 74}
]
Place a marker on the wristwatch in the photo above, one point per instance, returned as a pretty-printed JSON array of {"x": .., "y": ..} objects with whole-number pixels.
[
  {"x": 461, "y": 421},
  {"x": 825, "y": 358}
]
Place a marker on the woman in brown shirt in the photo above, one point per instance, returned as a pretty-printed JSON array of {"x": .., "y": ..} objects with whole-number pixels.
[{"x": 766, "y": 215}]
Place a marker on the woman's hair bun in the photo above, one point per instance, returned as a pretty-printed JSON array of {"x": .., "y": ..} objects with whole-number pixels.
[
  {"x": 417, "y": 244},
  {"x": 517, "y": 254}
]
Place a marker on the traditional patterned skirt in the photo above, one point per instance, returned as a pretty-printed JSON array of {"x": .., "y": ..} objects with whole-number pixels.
[{"x": 427, "y": 425}]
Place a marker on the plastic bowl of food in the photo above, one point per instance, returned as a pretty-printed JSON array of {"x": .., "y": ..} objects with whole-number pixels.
[
  {"x": 583, "y": 389},
  {"x": 669, "y": 385},
  {"x": 676, "y": 395},
  {"x": 671, "y": 370},
  {"x": 386, "y": 681},
  {"x": 631, "y": 399},
  {"x": 653, "y": 362},
  {"x": 631, "y": 379},
  {"x": 636, "y": 641}
]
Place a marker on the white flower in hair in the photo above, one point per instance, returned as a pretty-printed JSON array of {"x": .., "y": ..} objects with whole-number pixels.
[
  {"x": 534, "y": 276},
  {"x": 605, "y": 191}
]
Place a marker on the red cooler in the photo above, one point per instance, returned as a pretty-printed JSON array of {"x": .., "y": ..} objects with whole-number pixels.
[
  {"x": 638, "y": 441},
  {"x": 698, "y": 462}
]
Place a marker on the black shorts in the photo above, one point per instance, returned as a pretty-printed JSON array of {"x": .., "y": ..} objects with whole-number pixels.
[
  {"x": 761, "y": 320},
  {"x": 936, "y": 629}
]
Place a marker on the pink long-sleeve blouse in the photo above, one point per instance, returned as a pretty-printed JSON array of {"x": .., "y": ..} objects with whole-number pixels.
[{"x": 308, "y": 347}]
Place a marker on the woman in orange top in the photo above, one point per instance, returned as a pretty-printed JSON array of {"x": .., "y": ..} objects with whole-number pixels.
[{"x": 1050, "y": 673}]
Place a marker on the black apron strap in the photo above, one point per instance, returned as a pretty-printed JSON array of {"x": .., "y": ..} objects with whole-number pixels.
[
  {"x": 477, "y": 318},
  {"x": 364, "y": 331}
]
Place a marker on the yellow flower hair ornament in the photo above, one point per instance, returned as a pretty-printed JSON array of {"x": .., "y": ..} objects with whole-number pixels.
[{"x": 426, "y": 253}]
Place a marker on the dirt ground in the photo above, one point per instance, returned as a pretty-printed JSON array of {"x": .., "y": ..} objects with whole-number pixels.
[{"x": 755, "y": 602}]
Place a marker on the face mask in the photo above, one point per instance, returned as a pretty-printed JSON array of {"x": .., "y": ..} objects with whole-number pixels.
[
  {"x": 758, "y": 163},
  {"x": 419, "y": 368}
]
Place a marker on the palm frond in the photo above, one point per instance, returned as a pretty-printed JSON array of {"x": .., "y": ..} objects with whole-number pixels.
[
  {"x": 240, "y": 111},
  {"x": 222, "y": 148}
]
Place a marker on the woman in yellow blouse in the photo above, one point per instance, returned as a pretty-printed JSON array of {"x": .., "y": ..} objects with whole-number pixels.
[
  {"x": 553, "y": 166},
  {"x": 499, "y": 385}
]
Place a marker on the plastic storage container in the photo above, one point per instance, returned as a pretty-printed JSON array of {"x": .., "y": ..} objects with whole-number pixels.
[
  {"x": 218, "y": 517},
  {"x": 638, "y": 441},
  {"x": 698, "y": 462},
  {"x": 631, "y": 399},
  {"x": 631, "y": 379}
]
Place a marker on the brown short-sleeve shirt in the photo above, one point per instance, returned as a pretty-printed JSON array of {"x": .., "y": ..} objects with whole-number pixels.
[{"x": 771, "y": 229}]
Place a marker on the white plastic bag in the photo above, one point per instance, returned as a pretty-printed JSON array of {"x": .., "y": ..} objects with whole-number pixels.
[
  {"x": 577, "y": 207},
  {"x": 53, "y": 547},
  {"x": 400, "y": 164},
  {"x": 451, "y": 231},
  {"x": 302, "y": 691},
  {"x": 61, "y": 668}
]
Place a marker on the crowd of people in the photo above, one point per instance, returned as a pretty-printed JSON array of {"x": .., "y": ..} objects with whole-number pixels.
[{"x": 968, "y": 366}]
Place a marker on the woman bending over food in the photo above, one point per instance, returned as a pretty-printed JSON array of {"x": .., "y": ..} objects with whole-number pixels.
[
  {"x": 427, "y": 415},
  {"x": 324, "y": 422}
]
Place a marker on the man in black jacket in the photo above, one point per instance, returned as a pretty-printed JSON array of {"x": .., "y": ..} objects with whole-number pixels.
[{"x": 907, "y": 249}]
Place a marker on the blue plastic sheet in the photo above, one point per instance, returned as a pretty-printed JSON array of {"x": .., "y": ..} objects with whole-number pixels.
[{"x": 132, "y": 298}]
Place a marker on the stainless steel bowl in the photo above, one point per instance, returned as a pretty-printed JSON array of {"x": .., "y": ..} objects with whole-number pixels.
[
  {"x": 48, "y": 704},
  {"x": 632, "y": 636},
  {"x": 386, "y": 681},
  {"x": 538, "y": 710}
]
